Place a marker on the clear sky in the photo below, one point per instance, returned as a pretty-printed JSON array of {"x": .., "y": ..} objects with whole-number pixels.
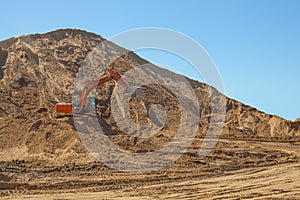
[{"x": 254, "y": 43}]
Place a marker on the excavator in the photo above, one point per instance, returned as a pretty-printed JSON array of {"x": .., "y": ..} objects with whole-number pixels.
[{"x": 86, "y": 103}]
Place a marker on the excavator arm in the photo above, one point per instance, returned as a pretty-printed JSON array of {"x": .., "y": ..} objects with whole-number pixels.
[{"x": 83, "y": 104}]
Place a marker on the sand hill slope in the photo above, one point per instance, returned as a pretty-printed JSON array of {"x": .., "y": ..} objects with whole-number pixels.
[{"x": 37, "y": 71}]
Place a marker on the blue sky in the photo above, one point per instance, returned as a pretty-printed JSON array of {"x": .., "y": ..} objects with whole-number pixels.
[{"x": 254, "y": 43}]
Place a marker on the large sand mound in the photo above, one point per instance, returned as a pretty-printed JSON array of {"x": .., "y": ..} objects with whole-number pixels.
[{"x": 37, "y": 71}]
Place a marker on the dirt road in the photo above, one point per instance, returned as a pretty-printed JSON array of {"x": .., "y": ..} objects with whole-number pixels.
[{"x": 235, "y": 170}]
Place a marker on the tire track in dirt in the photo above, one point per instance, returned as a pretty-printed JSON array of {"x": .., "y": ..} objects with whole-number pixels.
[{"x": 222, "y": 175}]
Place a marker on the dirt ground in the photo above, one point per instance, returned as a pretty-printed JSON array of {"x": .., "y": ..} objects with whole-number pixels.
[{"x": 234, "y": 170}]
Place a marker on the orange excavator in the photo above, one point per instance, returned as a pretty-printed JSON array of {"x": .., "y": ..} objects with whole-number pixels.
[{"x": 85, "y": 103}]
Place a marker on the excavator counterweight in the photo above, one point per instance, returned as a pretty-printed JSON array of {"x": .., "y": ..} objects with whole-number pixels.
[{"x": 64, "y": 107}]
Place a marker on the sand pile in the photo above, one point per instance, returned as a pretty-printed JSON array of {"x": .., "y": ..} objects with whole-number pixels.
[{"x": 37, "y": 71}]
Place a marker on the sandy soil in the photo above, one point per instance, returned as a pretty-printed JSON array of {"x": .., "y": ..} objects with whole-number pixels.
[{"x": 225, "y": 174}]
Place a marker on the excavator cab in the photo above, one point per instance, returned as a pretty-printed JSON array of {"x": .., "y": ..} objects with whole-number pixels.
[{"x": 91, "y": 108}]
